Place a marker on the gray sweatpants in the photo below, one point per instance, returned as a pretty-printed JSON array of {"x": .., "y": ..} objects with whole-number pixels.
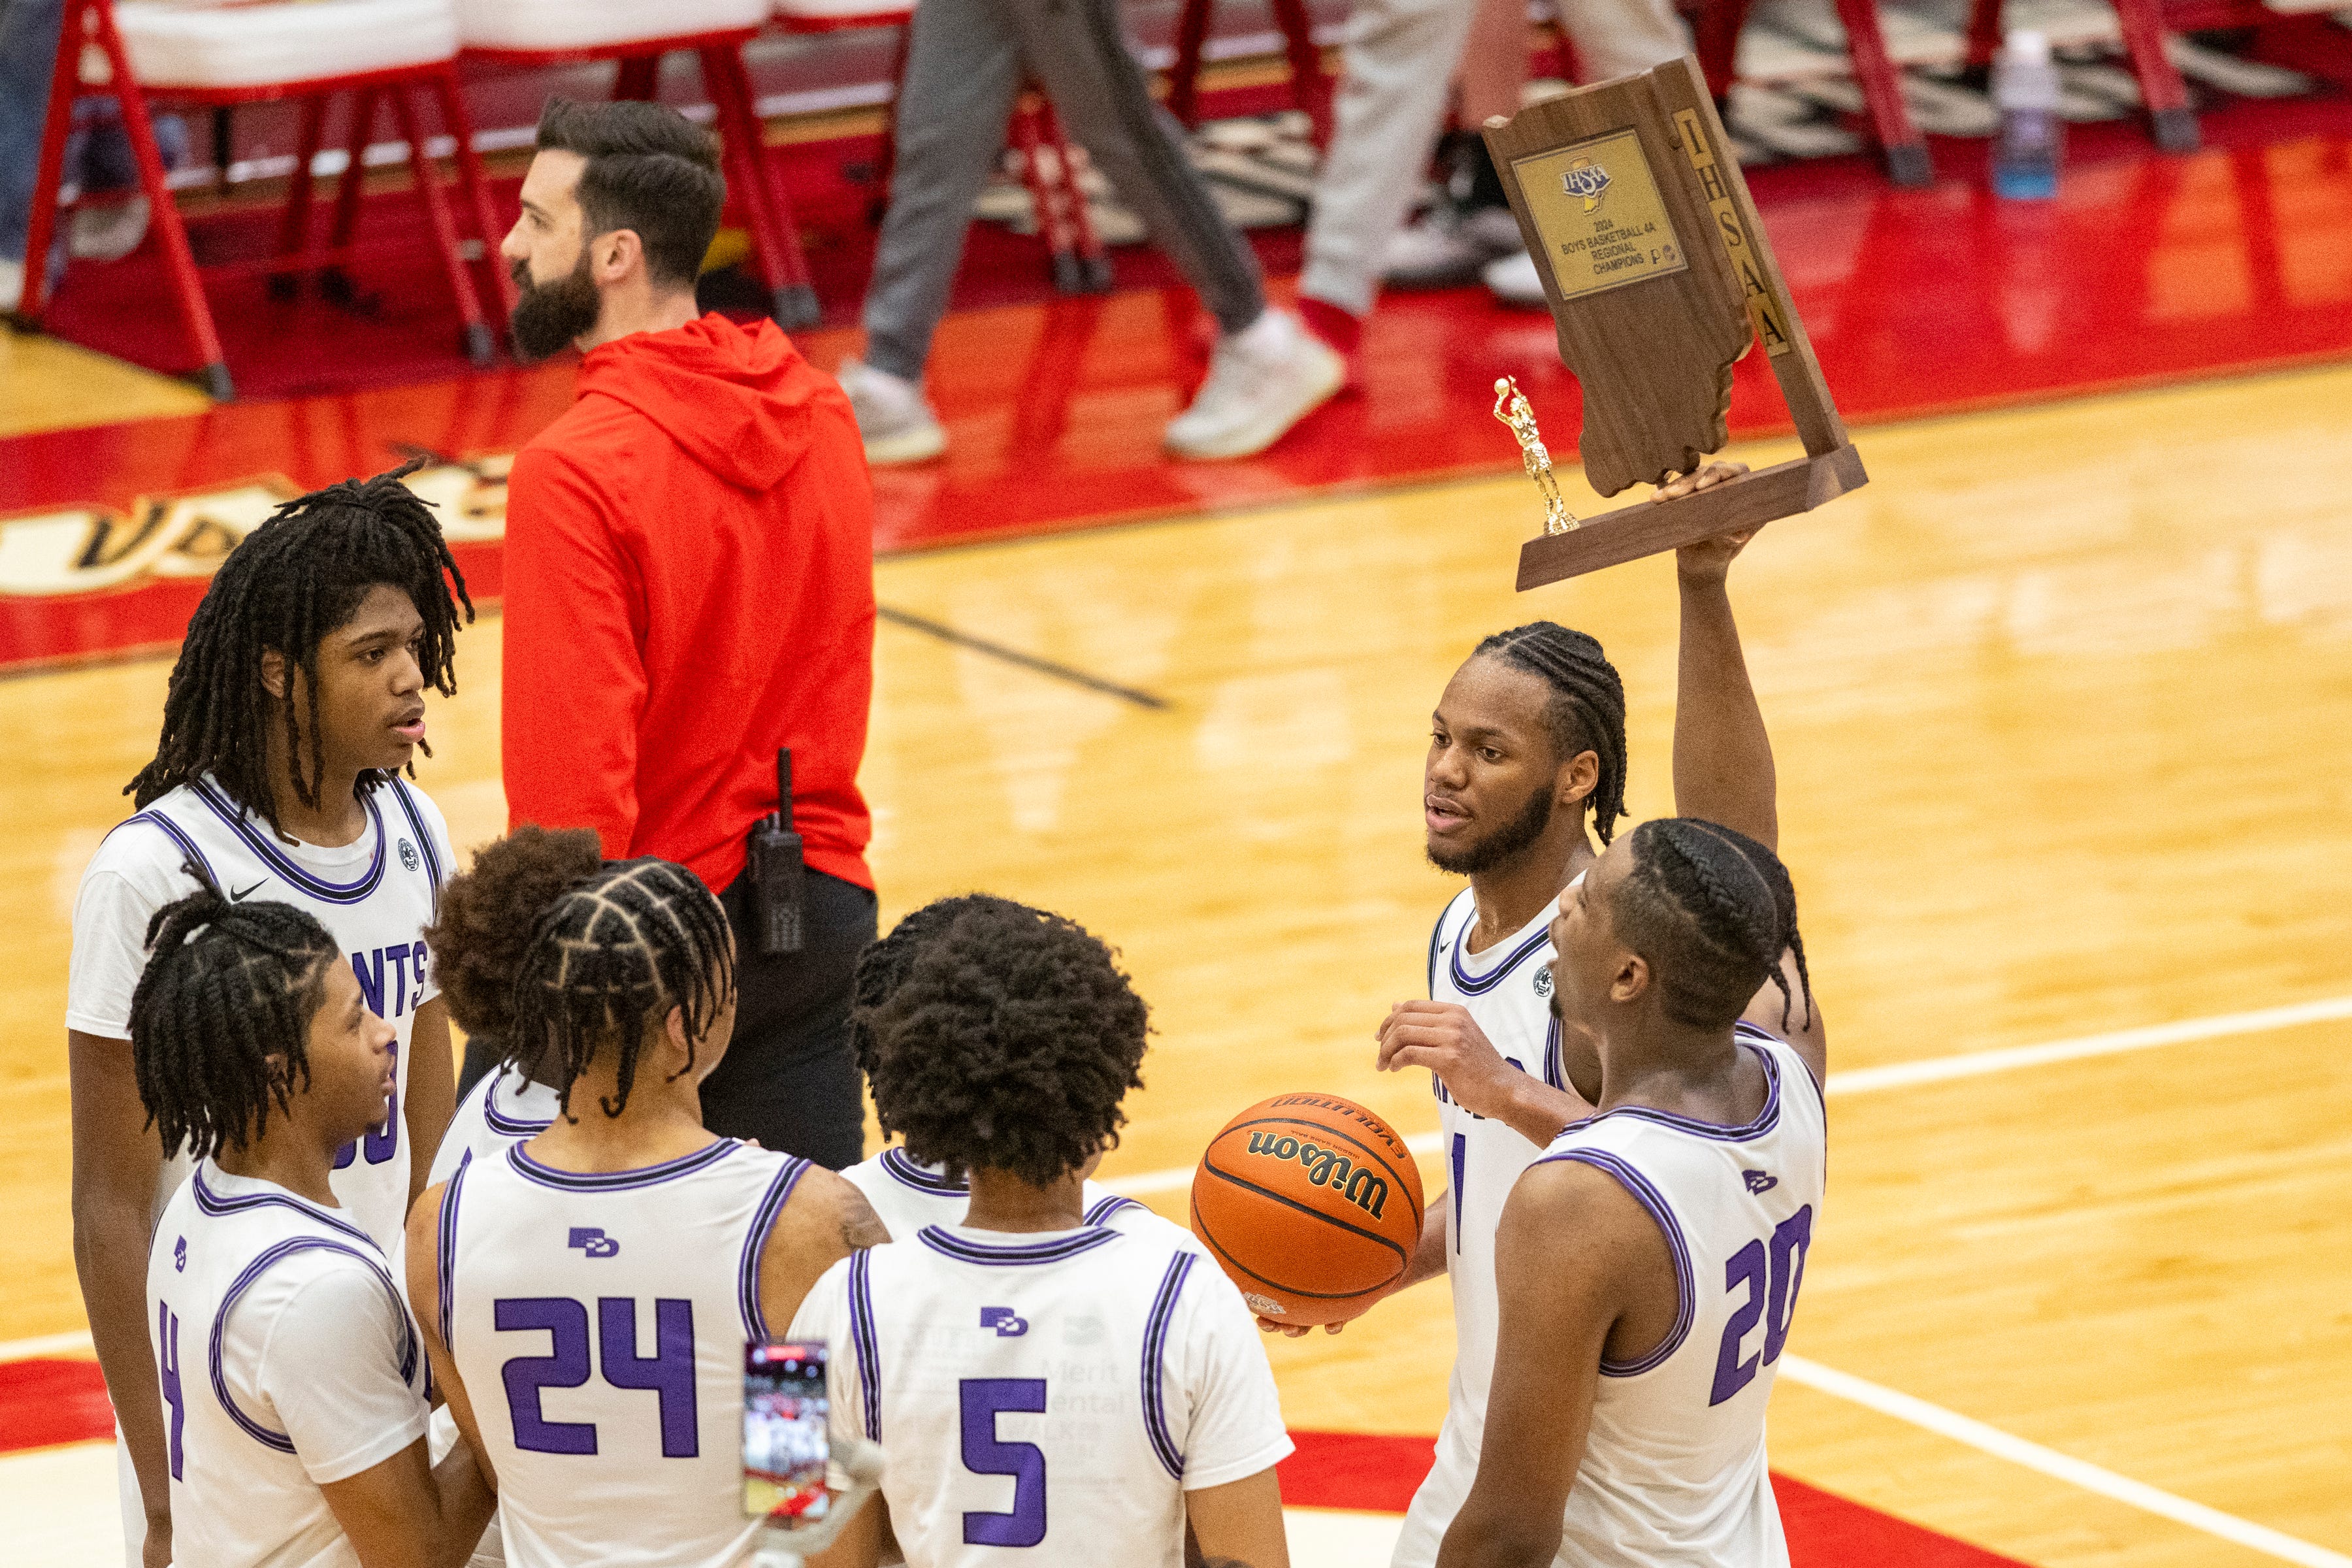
[
  {"x": 1398, "y": 65},
  {"x": 965, "y": 67}
]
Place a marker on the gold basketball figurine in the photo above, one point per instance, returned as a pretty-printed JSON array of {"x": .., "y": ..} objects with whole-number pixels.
[{"x": 1512, "y": 408}]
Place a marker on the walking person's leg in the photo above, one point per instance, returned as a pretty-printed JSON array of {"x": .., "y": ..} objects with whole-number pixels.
[
  {"x": 1397, "y": 75},
  {"x": 1268, "y": 373},
  {"x": 963, "y": 73},
  {"x": 28, "y": 52},
  {"x": 789, "y": 1081}
]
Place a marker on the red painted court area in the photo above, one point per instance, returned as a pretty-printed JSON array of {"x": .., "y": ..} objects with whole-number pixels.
[
  {"x": 2146, "y": 269},
  {"x": 46, "y": 1402}
]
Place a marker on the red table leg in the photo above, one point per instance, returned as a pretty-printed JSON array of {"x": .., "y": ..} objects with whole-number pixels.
[
  {"x": 1882, "y": 90},
  {"x": 57, "y": 125},
  {"x": 479, "y": 346},
  {"x": 294, "y": 223}
]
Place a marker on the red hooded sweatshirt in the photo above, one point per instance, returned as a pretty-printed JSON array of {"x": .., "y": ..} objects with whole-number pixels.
[{"x": 689, "y": 585}]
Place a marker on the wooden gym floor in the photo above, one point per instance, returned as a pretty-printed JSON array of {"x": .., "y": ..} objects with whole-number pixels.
[{"x": 2058, "y": 703}]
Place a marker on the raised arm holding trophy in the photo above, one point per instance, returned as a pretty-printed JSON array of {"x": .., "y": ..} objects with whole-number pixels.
[{"x": 1660, "y": 277}]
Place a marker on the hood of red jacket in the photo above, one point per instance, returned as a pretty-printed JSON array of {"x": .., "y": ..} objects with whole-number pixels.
[{"x": 736, "y": 400}]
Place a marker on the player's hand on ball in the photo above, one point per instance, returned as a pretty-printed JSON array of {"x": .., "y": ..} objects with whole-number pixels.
[
  {"x": 1444, "y": 1037},
  {"x": 1293, "y": 1330}
]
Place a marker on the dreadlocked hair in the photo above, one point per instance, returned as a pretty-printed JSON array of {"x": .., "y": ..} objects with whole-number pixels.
[
  {"x": 1006, "y": 1044},
  {"x": 228, "y": 987},
  {"x": 488, "y": 913},
  {"x": 884, "y": 963},
  {"x": 1587, "y": 711},
  {"x": 1713, "y": 910},
  {"x": 293, "y": 580},
  {"x": 606, "y": 963}
]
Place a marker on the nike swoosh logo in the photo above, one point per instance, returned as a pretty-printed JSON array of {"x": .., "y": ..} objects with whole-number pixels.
[{"x": 239, "y": 897}]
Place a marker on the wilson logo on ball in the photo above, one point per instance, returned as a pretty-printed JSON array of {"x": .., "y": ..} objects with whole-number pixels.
[{"x": 1328, "y": 1168}]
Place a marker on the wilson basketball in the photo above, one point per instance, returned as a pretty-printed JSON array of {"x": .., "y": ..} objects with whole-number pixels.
[{"x": 1312, "y": 1203}]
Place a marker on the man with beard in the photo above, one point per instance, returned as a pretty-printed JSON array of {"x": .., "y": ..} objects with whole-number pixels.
[
  {"x": 1527, "y": 743},
  {"x": 689, "y": 589}
]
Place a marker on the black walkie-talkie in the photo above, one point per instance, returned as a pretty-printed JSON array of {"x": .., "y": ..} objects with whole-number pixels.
[{"x": 777, "y": 871}]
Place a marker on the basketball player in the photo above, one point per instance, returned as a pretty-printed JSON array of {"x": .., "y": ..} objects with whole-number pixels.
[
  {"x": 290, "y": 1367},
  {"x": 1649, "y": 1262},
  {"x": 907, "y": 1194},
  {"x": 297, "y": 700},
  {"x": 593, "y": 1287},
  {"x": 1041, "y": 1385},
  {"x": 1528, "y": 741},
  {"x": 478, "y": 941}
]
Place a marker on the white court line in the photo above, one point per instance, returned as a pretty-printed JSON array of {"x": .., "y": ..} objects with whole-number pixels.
[
  {"x": 2062, "y": 1467},
  {"x": 75, "y": 1343},
  {"x": 1941, "y": 1069}
]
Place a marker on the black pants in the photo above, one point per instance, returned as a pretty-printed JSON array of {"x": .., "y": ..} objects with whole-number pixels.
[{"x": 788, "y": 1080}]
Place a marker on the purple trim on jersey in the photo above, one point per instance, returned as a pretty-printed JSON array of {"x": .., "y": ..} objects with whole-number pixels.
[
  {"x": 424, "y": 838},
  {"x": 1155, "y": 1346},
  {"x": 1752, "y": 1035},
  {"x": 505, "y": 1126},
  {"x": 1555, "y": 1069},
  {"x": 531, "y": 1170},
  {"x": 903, "y": 1168},
  {"x": 1765, "y": 1119},
  {"x": 1057, "y": 1250},
  {"x": 445, "y": 1253},
  {"x": 209, "y": 1202},
  {"x": 1685, "y": 1292},
  {"x": 178, "y": 835},
  {"x": 864, "y": 1347},
  {"x": 1107, "y": 1206},
  {"x": 286, "y": 869},
  {"x": 244, "y": 1282},
  {"x": 763, "y": 1220},
  {"x": 1478, "y": 985}
]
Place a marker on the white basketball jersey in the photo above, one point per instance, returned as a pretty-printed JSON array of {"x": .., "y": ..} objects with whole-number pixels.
[
  {"x": 1506, "y": 988},
  {"x": 598, "y": 1324},
  {"x": 1044, "y": 1399},
  {"x": 240, "y": 1491},
  {"x": 1673, "y": 1470},
  {"x": 375, "y": 901},
  {"x": 907, "y": 1195},
  {"x": 504, "y": 1109}
]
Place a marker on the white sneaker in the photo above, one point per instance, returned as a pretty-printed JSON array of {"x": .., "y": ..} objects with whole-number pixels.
[
  {"x": 12, "y": 284},
  {"x": 107, "y": 233},
  {"x": 1513, "y": 280},
  {"x": 1444, "y": 246},
  {"x": 1262, "y": 381},
  {"x": 898, "y": 425}
]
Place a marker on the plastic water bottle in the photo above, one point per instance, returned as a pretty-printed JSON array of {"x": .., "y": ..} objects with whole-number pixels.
[{"x": 2026, "y": 150}]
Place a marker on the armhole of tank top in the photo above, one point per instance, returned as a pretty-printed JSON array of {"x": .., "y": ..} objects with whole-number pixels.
[
  {"x": 192, "y": 859},
  {"x": 863, "y": 1349},
  {"x": 1787, "y": 1057},
  {"x": 444, "y": 1256},
  {"x": 755, "y": 1244},
  {"x": 1155, "y": 1364},
  {"x": 1661, "y": 1214}
]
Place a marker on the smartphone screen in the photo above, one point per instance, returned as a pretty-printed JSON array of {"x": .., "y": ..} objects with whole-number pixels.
[{"x": 785, "y": 1443}]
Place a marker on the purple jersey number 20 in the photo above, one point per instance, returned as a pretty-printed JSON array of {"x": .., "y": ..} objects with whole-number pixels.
[{"x": 1771, "y": 1278}]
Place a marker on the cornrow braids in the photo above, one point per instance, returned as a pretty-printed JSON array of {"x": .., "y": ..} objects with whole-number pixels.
[
  {"x": 606, "y": 963},
  {"x": 1587, "y": 711},
  {"x": 288, "y": 583},
  {"x": 884, "y": 963},
  {"x": 1712, "y": 910},
  {"x": 228, "y": 987},
  {"x": 488, "y": 912}
]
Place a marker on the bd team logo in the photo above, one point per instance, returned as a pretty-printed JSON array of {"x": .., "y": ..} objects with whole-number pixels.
[{"x": 1587, "y": 182}]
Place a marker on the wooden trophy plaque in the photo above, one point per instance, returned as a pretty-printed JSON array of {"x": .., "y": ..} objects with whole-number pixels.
[{"x": 1660, "y": 277}]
